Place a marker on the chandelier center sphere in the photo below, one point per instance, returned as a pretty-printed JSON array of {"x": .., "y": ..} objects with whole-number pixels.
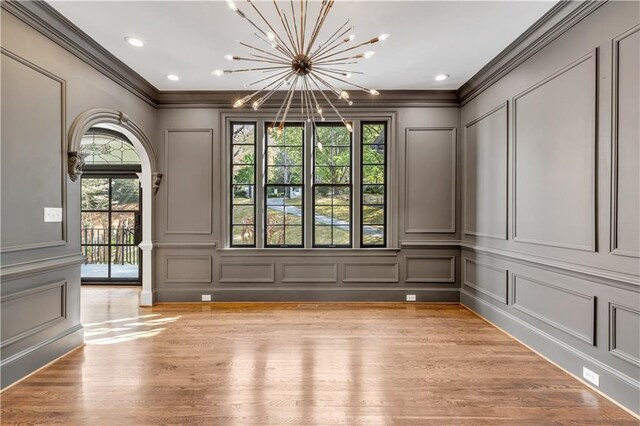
[{"x": 301, "y": 64}]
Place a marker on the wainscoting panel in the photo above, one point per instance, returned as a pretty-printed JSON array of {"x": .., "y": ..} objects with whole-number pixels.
[
  {"x": 554, "y": 166},
  {"x": 430, "y": 269},
  {"x": 188, "y": 269},
  {"x": 32, "y": 310},
  {"x": 34, "y": 94},
  {"x": 379, "y": 272},
  {"x": 487, "y": 279},
  {"x": 430, "y": 181},
  {"x": 624, "y": 333},
  {"x": 309, "y": 272},
  {"x": 188, "y": 180},
  {"x": 626, "y": 144},
  {"x": 549, "y": 303},
  {"x": 485, "y": 175},
  {"x": 247, "y": 272}
]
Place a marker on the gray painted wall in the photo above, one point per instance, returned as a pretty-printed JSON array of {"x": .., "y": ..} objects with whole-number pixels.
[
  {"x": 44, "y": 88},
  {"x": 551, "y": 206}
]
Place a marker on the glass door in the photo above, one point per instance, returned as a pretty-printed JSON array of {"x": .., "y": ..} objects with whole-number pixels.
[{"x": 110, "y": 231}]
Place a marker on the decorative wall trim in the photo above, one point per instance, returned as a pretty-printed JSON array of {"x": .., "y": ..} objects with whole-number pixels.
[
  {"x": 452, "y": 271},
  {"x": 387, "y": 99},
  {"x": 504, "y": 105},
  {"x": 590, "y": 338},
  {"x": 558, "y": 20},
  {"x": 601, "y": 276},
  {"x": 270, "y": 279},
  {"x": 185, "y": 244},
  {"x": 63, "y": 156},
  {"x": 393, "y": 279},
  {"x": 613, "y": 347},
  {"x": 433, "y": 244},
  {"x": 39, "y": 266},
  {"x": 454, "y": 180},
  {"x": 500, "y": 298},
  {"x": 52, "y": 24},
  {"x": 208, "y": 259},
  {"x": 209, "y": 229},
  {"x": 615, "y": 91},
  {"x": 332, "y": 279},
  {"x": 594, "y": 159},
  {"x": 62, "y": 285}
]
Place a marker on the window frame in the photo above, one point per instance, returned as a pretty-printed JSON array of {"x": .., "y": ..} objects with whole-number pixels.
[
  {"x": 263, "y": 120},
  {"x": 231, "y": 224},
  {"x": 385, "y": 222},
  {"x": 332, "y": 186},
  {"x": 266, "y": 186}
]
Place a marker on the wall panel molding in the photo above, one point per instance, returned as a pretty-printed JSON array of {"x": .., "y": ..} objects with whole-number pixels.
[
  {"x": 62, "y": 104},
  {"x": 616, "y": 148},
  {"x": 520, "y": 304},
  {"x": 615, "y": 325},
  {"x": 502, "y": 298},
  {"x": 465, "y": 226},
  {"x": 188, "y": 261},
  {"x": 171, "y": 177},
  {"x": 378, "y": 272},
  {"x": 593, "y": 112},
  {"x": 428, "y": 262},
  {"x": 408, "y": 185},
  {"x": 246, "y": 272},
  {"x": 312, "y": 272},
  {"x": 59, "y": 292}
]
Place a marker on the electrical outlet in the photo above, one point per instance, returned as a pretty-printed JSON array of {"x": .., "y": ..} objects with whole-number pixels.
[
  {"x": 206, "y": 298},
  {"x": 52, "y": 214},
  {"x": 591, "y": 376},
  {"x": 411, "y": 297}
]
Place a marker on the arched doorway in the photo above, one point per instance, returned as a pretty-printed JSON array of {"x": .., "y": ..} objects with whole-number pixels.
[{"x": 149, "y": 179}]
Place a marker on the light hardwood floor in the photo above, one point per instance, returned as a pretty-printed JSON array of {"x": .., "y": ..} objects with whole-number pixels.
[{"x": 277, "y": 364}]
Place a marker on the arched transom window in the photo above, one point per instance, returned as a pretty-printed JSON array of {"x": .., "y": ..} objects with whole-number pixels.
[{"x": 105, "y": 147}]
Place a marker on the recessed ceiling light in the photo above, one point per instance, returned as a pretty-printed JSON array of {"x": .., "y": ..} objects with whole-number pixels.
[
  {"x": 133, "y": 41},
  {"x": 173, "y": 77},
  {"x": 441, "y": 77}
]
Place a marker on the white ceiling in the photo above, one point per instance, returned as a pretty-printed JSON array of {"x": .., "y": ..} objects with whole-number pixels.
[{"x": 190, "y": 38}]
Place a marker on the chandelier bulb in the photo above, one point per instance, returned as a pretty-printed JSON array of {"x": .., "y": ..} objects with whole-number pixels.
[
  {"x": 344, "y": 95},
  {"x": 350, "y": 103},
  {"x": 347, "y": 75},
  {"x": 271, "y": 36},
  {"x": 351, "y": 37},
  {"x": 229, "y": 57},
  {"x": 323, "y": 119},
  {"x": 383, "y": 37},
  {"x": 238, "y": 103},
  {"x": 218, "y": 73},
  {"x": 256, "y": 105},
  {"x": 232, "y": 5},
  {"x": 369, "y": 54},
  {"x": 374, "y": 92},
  {"x": 348, "y": 125}
]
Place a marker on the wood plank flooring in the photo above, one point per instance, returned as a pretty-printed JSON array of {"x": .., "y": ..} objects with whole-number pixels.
[{"x": 278, "y": 364}]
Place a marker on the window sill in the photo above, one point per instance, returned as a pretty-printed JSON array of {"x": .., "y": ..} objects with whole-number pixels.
[{"x": 315, "y": 252}]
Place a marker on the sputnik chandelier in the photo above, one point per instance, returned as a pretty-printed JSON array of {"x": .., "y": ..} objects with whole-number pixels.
[{"x": 296, "y": 63}]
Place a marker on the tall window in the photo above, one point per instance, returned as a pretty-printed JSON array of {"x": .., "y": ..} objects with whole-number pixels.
[
  {"x": 243, "y": 184},
  {"x": 308, "y": 185},
  {"x": 284, "y": 187},
  {"x": 374, "y": 184},
  {"x": 332, "y": 186}
]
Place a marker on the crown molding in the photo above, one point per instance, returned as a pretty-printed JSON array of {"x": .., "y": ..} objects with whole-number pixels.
[
  {"x": 45, "y": 19},
  {"x": 386, "y": 99},
  {"x": 48, "y": 21},
  {"x": 558, "y": 20}
]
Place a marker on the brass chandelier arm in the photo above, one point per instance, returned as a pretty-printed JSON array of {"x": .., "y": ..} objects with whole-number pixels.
[
  {"x": 329, "y": 5},
  {"x": 274, "y": 45},
  {"x": 346, "y": 82},
  {"x": 287, "y": 30},
  {"x": 275, "y": 33},
  {"x": 332, "y": 106},
  {"x": 325, "y": 56},
  {"x": 282, "y": 58},
  {"x": 295, "y": 26},
  {"x": 280, "y": 74},
  {"x": 338, "y": 70},
  {"x": 333, "y": 41}
]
